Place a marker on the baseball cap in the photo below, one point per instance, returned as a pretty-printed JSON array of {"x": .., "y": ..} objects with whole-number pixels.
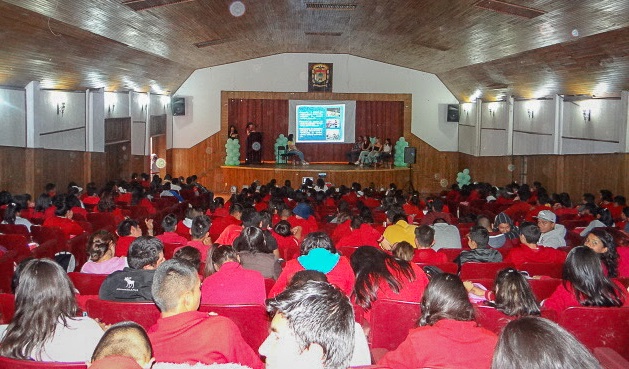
[{"x": 547, "y": 215}]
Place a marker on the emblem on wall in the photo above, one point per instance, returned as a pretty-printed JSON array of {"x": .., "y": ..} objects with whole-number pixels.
[{"x": 320, "y": 77}]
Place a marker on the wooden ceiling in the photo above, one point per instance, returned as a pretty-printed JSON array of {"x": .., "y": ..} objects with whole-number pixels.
[{"x": 526, "y": 48}]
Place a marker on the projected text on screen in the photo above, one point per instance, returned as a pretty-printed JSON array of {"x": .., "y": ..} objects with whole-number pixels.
[{"x": 320, "y": 123}]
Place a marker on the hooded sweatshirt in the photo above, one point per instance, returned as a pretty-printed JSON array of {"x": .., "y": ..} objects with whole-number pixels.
[{"x": 554, "y": 238}]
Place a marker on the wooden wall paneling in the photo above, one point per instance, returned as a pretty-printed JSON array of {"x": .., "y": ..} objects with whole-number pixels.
[
  {"x": 157, "y": 124},
  {"x": 117, "y": 157},
  {"x": 97, "y": 162},
  {"x": 158, "y": 146},
  {"x": 139, "y": 164},
  {"x": 14, "y": 176},
  {"x": 491, "y": 169},
  {"x": 117, "y": 129},
  {"x": 59, "y": 167}
]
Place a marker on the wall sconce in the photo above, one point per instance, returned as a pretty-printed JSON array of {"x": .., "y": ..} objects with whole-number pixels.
[
  {"x": 165, "y": 100},
  {"x": 61, "y": 108},
  {"x": 587, "y": 113},
  {"x": 143, "y": 100},
  {"x": 492, "y": 108},
  {"x": 530, "y": 113},
  {"x": 532, "y": 106}
]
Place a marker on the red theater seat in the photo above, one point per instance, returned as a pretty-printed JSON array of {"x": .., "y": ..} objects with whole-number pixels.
[
  {"x": 446, "y": 267},
  {"x": 390, "y": 322},
  {"x": 7, "y": 307},
  {"x": 7, "y": 363},
  {"x": 599, "y": 327},
  {"x": 252, "y": 320},
  {"x": 15, "y": 229},
  {"x": 543, "y": 288},
  {"x": 451, "y": 253},
  {"x": 474, "y": 270},
  {"x": 110, "y": 312},
  {"x": 87, "y": 284},
  {"x": 102, "y": 221},
  {"x": 552, "y": 270}
]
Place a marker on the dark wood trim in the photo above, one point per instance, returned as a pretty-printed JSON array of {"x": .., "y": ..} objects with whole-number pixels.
[
  {"x": 589, "y": 139},
  {"x": 61, "y": 131},
  {"x": 533, "y": 133}
]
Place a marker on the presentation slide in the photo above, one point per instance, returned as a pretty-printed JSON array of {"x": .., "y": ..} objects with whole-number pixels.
[{"x": 322, "y": 121}]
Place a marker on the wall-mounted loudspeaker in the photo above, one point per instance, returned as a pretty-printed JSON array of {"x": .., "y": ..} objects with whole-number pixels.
[
  {"x": 409, "y": 155},
  {"x": 179, "y": 105},
  {"x": 453, "y": 113}
]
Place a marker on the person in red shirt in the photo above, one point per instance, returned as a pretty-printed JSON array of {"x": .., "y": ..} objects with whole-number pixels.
[
  {"x": 183, "y": 227},
  {"x": 220, "y": 223},
  {"x": 318, "y": 253},
  {"x": 287, "y": 239},
  {"x": 184, "y": 335},
  {"x": 363, "y": 234},
  {"x": 604, "y": 246},
  {"x": 585, "y": 284},
  {"x": 200, "y": 236},
  {"x": 437, "y": 212},
  {"x": 169, "y": 224},
  {"x": 530, "y": 252},
  {"x": 303, "y": 217},
  {"x": 231, "y": 283},
  {"x": 63, "y": 219},
  {"x": 380, "y": 275},
  {"x": 447, "y": 336},
  {"x": 424, "y": 239},
  {"x": 543, "y": 203},
  {"x": 128, "y": 230},
  {"x": 520, "y": 206}
]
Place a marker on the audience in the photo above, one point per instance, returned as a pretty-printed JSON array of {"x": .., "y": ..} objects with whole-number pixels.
[
  {"x": 530, "y": 252},
  {"x": 399, "y": 229},
  {"x": 169, "y": 225},
  {"x": 478, "y": 241},
  {"x": 231, "y": 283},
  {"x": 101, "y": 248},
  {"x": 447, "y": 336},
  {"x": 424, "y": 240},
  {"x": 123, "y": 345},
  {"x": 447, "y": 236},
  {"x": 134, "y": 282},
  {"x": 318, "y": 253},
  {"x": 45, "y": 326},
  {"x": 313, "y": 327},
  {"x": 254, "y": 253},
  {"x": 512, "y": 294},
  {"x": 585, "y": 284},
  {"x": 184, "y": 335},
  {"x": 199, "y": 231},
  {"x": 538, "y": 343},
  {"x": 379, "y": 275},
  {"x": 553, "y": 234}
]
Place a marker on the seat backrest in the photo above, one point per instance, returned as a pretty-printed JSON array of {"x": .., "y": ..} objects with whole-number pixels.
[
  {"x": 543, "y": 288},
  {"x": 390, "y": 322},
  {"x": 169, "y": 249},
  {"x": 6, "y": 271},
  {"x": 15, "y": 229},
  {"x": 78, "y": 247},
  {"x": 102, "y": 221},
  {"x": 446, "y": 267},
  {"x": 451, "y": 253},
  {"x": 7, "y": 363},
  {"x": 473, "y": 270},
  {"x": 42, "y": 234},
  {"x": 16, "y": 243},
  {"x": 348, "y": 251},
  {"x": 491, "y": 318},
  {"x": 110, "y": 312},
  {"x": 252, "y": 320},
  {"x": 268, "y": 284},
  {"x": 7, "y": 307},
  {"x": 599, "y": 327},
  {"x": 87, "y": 284},
  {"x": 552, "y": 270}
]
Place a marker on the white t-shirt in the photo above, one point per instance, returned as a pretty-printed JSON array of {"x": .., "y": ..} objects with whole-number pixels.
[{"x": 74, "y": 343}]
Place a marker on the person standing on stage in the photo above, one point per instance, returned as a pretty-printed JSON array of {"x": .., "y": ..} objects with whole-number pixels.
[{"x": 251, "y": 153}]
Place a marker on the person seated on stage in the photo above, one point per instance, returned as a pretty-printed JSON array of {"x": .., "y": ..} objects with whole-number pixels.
[
  {"x": 387, "y": 150},
  {"x": 353, "y": 154},
  {"x": 133, "y": 284},
  {"x": 184, "y": 335},
  {"x": 293, "y": 150},
  {"x": 374, "y": 154},
  {"x": 365, "y": 150}
]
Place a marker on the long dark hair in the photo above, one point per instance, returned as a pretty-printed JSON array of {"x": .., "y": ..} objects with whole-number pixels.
[
  {"x": 445, "y": 298},
  {"x": 12, "y": 212},
  {"x": 591, "y": 287},
  {"x": 371, "y": 266},
  {"x": 44, "y": 297},
  {"x": 514, "y": 296},
  {"x": 610, "y": 257},
  {"x": 537, "y": 343},
  {"x": 251, "y": 239}
]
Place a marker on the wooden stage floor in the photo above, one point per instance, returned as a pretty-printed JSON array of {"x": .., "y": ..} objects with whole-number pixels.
[{"x": 336, "y": 173}]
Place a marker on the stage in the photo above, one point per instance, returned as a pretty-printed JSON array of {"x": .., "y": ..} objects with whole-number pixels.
[{"x": 336, "y": 173}]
